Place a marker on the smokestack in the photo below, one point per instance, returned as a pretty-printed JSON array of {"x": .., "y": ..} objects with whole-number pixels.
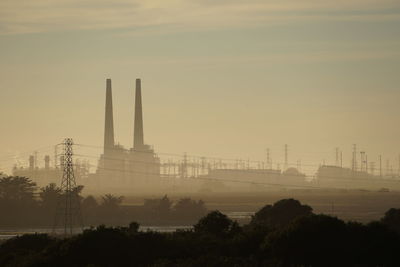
[
  {"x": 109, "y": 120},
  {"x": 138, "y": 141}
]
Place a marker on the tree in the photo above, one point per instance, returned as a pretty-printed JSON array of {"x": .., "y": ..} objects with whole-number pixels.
[
  {"x": 316, "y": 240},
  {"x": 186, "y": 208},
  {"x": 111, "y": 202},
  {"x": 133, "y": 228},
  {"x": 392, "y": 219},
  {"x": 109, "y": 210},
  {"x": 216, "y": 223},
  {"x": 90, "y": 203},
  {"x": 49, "y": 198},
  {"x": 158, "y": 208},
  {"x": 280, "y": 214},
  {"x": 20, "y": 251},
  {"x": 15, "y": 188},
  {"x": 77, "y": 191},
  {"x": 189, "y": 205},
  {"x": 17, "y": 200},
  {"x": 164, "y": 205},
  {"x": 90, "y": 209},
  {"x": 53, "y": 191},
  {"x": 50, "y": 195}
]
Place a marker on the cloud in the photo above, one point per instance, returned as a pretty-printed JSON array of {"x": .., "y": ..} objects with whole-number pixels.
[{"x": 30, "y": 16}]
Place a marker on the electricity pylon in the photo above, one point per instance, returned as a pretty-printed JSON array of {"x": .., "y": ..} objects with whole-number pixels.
[{"x": 68, "y": 213}]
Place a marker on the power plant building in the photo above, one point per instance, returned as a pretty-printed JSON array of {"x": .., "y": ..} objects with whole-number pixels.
[
  {"x": 47, "y": 174},
  {"x": 126, "y": 169}
]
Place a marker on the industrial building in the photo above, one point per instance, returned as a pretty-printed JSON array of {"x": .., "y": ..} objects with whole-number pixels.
[
  {"x": 47, "y": 174},
  {"x": 346, "y": 178},
  {"x": 137, "y": 168}
]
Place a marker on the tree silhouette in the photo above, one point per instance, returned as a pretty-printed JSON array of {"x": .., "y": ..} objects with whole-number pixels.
[
  {"x": 49, "y": 195},
  {"x": 309, "y": 241},
  {"x": 17, "y": 200},
  {"x": 111, "y": 202},
  {"x": 186, "y": 209},
  {"x": 216, "y": 223},
  {"x": 133, "y": 228},
  {"x": 281, "y": 213},
  {"x": 109, "y": 210},
  {"x": 90, "y": 209},
  {"x": 392, "y": 219},
  {"x": 15, "y": 188},
  {"x": 312, "y": 240},
  {"x": 158, "y": 208},
  {"x": 89, "y": 203}
]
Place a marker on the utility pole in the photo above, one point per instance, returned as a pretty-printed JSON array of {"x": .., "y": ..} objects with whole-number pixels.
[
  {"x": 354, "y": 164},
  {"x": 268, "y": 159},
  {"x": 387, "y": 167},
  {"x": 286, "y": 157},
  {"x": 362, "y": 160},
  {"x": 380, "y": 165},
  {"x": 341, "y": 159},
  {"x": 68, "y": 213},
  {"x": 337, "y": 156}
]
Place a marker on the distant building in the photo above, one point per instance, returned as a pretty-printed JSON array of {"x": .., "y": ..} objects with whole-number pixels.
[
  {"x": 346, "y": 178},
  {"x": 258, "y": 178},
  {"x": 43, "y": 176},
  {"x": 126, "y": 169}
]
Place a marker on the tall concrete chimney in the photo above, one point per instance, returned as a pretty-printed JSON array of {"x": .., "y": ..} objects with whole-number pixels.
[
  {"x": 138, "y": 141},
  {"x": 109, "y": 120}
]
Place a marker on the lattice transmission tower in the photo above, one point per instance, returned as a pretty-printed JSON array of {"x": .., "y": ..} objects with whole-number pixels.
[{"x": 68, "y": 214}]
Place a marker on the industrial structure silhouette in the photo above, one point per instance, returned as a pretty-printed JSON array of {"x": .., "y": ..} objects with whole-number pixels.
[{"x": 140, "y": 169}]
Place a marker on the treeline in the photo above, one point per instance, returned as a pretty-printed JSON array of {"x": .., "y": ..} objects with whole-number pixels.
[
  {"x": 23, "y": 204},
  {"x": 284, "y": 234},
  {"x": 157, "y": 211}
]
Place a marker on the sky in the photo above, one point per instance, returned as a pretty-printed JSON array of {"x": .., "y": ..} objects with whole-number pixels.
[{"x": 219, "y": 78}]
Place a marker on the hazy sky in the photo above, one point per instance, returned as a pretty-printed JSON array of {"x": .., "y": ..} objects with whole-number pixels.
[{"x": 219, "y": 78}]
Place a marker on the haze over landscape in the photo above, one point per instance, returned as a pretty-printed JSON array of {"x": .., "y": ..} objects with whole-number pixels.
[
  {"x": 221, "y": 78},
  {"x": 199, "y": 133}
]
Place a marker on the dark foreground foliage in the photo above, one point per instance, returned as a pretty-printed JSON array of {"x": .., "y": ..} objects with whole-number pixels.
[
  {"x": 27, "y": 206},
  {"x": 285, "y": 234}
]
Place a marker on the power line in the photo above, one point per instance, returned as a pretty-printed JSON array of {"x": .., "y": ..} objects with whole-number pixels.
[
  {"x": 11, "y": 157},
  {"x": 195, "y": 157},
  {"x": 214, "y": 178},
  {"x": 354, "y": 167},
  {"x": 247, "y": 171},
  {"x": 217, "y": 179}
]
